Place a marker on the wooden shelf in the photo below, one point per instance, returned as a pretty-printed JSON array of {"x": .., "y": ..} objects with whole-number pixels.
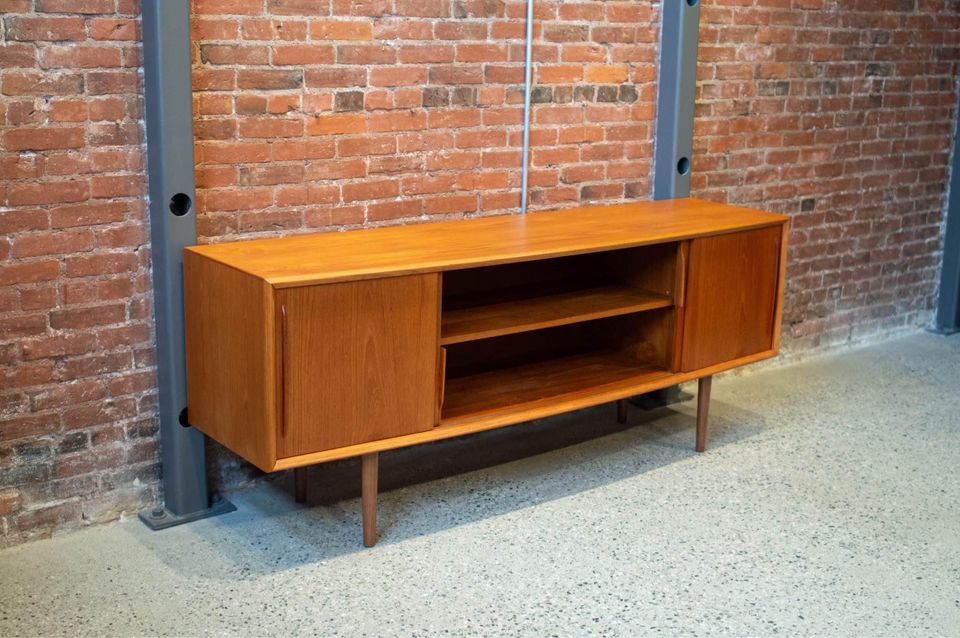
[
  {"x": 481, "y": 322},
  {"x": 550, "y": 382}
]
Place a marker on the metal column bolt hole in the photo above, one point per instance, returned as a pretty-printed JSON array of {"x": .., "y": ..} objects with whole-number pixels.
[
  {"x": 180, "y": 204},
  {"x": 683, "y": 166},
  {"x": 183, "y": 418},
  {"x": 692, "y": 3}
]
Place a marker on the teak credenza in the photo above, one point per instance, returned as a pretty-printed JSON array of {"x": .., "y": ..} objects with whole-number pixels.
[{"x": 311, "y": 348}]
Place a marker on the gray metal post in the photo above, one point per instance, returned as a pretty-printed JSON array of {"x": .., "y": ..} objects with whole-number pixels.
[
  {"x": 948, "y": 311},
  {"x": 169, "y": 120},
  {"x": 527, "y": 89},
  {"x": 673, "y": 146},
  {"x": 676, "y": 96}
]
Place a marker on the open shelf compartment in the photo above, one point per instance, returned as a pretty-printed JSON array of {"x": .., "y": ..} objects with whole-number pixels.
[
  {"x": 480, "y": 303},
  {"x": 527, "y": 385},
  {"x": 518, "y": 371},
  {"x": 493, "y": 320}
]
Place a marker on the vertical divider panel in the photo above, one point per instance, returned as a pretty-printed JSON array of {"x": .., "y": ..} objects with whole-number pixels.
[
  {"x": 441, "y": 383},
  {"x": 679, "y": 303},
  {"x": 781, "y": 285},
  {"x": 441, "y": 354}
]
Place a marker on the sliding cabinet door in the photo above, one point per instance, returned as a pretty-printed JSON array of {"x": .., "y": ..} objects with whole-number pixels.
[
  {"x": 358, "y": 361},
  {"x": 732, "y": 288}
]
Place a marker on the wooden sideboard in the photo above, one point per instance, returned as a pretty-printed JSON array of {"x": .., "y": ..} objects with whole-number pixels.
[{"x": 310, "y": 348}]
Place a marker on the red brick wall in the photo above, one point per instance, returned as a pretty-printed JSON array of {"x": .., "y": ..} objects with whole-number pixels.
[
  {"x": 839, "y": 112},
  {"x": 313, "y": 115},
  {"x": 77, "y": 427}
]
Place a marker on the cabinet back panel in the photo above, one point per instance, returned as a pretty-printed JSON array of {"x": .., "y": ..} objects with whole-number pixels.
[
  {"x": 359, "y": 362},
  {"x": 473, "y": 357},
  {"x": 497, "y": 284},
  {"x": 646, "y": 337},
  {"x": 648, "y": 268}
]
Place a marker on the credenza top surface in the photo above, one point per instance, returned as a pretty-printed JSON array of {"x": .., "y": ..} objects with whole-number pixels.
[{"x": 298, "y": 260}]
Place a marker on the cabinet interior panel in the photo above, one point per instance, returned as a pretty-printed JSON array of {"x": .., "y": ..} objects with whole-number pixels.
[
  {"x": 514, "y": 370},
  {"x": 644, "y": 268}
]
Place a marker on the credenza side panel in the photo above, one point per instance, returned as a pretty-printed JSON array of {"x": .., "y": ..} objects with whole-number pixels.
[
  {"x": 359, "y": 361},
  {"x": 732, "y": 288},
  {"x": 230, "y": 361}
]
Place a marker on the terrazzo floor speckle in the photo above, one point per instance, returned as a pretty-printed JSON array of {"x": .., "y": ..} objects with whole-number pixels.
[{"x": 828, "y": 504}]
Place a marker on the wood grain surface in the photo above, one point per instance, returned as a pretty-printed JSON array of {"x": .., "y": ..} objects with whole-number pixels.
[
  {"x": 378, "y": 252},
  {"x": 307, "y": 349},
  {"x": 534, "y": 313},
  {"x": 231, "y": 390},
  {"x": 360, "y": 362},
  {"x": 732, "y": 290},
  {"x": 473, "y": 423}
]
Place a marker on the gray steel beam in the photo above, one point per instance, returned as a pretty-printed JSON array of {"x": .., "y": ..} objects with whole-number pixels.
[
  {"x": 527, "y": 89},
  {"x": 948, "y": 310},
  {"x": 673, "y": 146},
  {"x": 170, "y": 165},
  {"x": 676, "y": 97}
]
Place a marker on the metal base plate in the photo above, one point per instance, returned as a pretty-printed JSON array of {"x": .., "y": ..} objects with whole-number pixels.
[
  {"x": 157, "y": 518},
  {"x": 946, "y": 332},
  {"x": 660, "y": 398}
]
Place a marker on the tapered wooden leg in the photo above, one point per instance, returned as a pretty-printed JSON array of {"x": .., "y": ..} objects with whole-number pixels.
[
  {"x": 300, "y": 484},
  {"x": 703, "y": 408},
  {"x": 622, "y": 411},
  {"x": 369, "y": 469}
]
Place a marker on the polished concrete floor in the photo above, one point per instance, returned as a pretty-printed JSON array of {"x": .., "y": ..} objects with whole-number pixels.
[{"x": 828, "y": 504}]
